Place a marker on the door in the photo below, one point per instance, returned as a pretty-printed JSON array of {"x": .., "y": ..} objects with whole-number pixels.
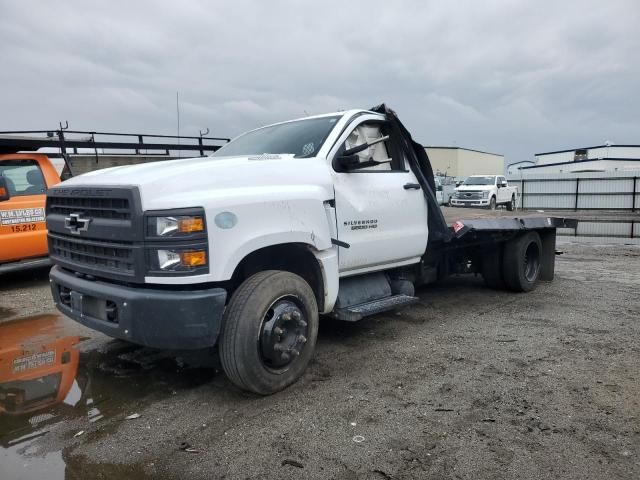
[
  {"x": 23, "y": 231},
  {"x": 381, "y": 211},
  {"x": 503, "y": 194}
]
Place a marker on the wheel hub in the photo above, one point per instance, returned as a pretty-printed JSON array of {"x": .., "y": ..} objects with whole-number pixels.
[{"x": 283, "y": 334}]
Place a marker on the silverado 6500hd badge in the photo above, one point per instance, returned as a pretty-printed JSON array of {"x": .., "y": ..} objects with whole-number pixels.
[{"x": 361, "y": 224}]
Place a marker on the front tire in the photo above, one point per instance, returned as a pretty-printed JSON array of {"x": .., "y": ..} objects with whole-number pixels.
[
  {"x": 522, "y": 261},
  {"x": 269, "y": 332},
  {"x": 492, "y": 203}
]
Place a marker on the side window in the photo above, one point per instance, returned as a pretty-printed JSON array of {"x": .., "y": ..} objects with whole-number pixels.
[
  {"x": 381, "y": 152},
  {"x": 501, "y": 179},
  {"x": 23, "y": 177}
]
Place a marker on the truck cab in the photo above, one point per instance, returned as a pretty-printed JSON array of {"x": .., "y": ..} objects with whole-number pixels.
[
  {"x": 334, "y": 214},
  {"x": 24, "y": 181}
]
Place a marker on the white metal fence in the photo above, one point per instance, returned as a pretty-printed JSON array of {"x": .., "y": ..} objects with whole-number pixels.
[
  {"x": 579, "y": 191},
  {"x": 604, "y": 228}
]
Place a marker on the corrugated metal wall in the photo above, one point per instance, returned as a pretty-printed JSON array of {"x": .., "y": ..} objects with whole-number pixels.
[
  {"x": 604, "y": 229},
  {"x": 579, "y": 191}
]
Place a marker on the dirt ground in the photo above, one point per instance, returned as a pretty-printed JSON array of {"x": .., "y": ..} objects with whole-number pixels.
[{"x": 469, "y": 384}]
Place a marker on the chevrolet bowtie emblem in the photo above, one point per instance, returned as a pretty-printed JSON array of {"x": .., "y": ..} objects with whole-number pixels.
[{"x": 76, "y": 224}]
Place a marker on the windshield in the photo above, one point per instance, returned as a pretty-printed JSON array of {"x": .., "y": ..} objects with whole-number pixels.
[
  {"x": 480, "y": 181},
  {"x": 302, "y": 138}
]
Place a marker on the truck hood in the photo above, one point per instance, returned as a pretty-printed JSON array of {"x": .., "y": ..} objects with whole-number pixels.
[{"x": 197, "y": 181}]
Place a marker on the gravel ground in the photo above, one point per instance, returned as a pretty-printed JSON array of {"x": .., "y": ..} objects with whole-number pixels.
[{"x": 471, "y": 383}]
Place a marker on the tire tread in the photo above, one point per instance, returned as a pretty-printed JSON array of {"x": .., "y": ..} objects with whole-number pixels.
[{"x": 231, "y": 324}]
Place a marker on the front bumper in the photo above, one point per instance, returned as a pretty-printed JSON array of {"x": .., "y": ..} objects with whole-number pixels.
[
  {"x": 456, "y": 202},
  {"x": 27, "y": 264},
  {"x": 172, "y": 319}
]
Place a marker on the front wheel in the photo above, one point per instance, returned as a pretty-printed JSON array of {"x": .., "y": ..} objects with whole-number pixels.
[
  {"x": 269, "y": 332},
  {"x": 492, "y": 203}
]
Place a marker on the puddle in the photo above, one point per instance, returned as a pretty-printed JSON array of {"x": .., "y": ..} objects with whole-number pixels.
[
  {"x": 49, "y": 374},
  {"x": 6, "y": 313}
]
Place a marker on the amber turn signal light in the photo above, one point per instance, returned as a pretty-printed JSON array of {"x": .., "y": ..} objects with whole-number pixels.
[
  {"x": 190, "y": 224},
  {"x": 194, "y": 258}
]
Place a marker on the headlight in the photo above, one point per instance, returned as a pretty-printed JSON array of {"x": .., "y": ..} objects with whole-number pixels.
[
  {"x": 176, "y": 242},
  {"x": 485, "y": 194},
  {"x": 176, "y": 260},
  {"x": 188, "y": 259},
  {"x": 185, "y": 223}
]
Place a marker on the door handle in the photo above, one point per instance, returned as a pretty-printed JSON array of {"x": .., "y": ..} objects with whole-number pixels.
[{"x": 411, "y": 186}]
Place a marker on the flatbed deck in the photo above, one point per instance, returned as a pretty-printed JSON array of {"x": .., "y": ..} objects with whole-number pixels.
[{"x": 453, "y": 214}]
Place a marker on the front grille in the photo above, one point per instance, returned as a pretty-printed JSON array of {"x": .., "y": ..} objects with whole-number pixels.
[
  {"x": 98, "y": 255},
  {"x": 470, "y": 195},
  {"x": 115, "y": 208}
]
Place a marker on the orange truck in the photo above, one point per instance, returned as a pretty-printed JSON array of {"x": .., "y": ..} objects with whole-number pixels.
[
  {"x": 37, "y": 364},
  {"x": 24, "y": 180}
]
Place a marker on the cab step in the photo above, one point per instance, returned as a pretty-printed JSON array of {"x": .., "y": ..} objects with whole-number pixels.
[{"x": 354, "y": 313}]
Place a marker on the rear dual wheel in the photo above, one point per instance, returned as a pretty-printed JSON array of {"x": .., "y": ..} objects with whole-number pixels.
[
  {"x": 516, "y": 266},
  {"x": 269, "y": 332}
]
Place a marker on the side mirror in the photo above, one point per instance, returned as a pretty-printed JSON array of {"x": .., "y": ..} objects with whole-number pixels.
[
  {"x": 503, "y": 184},
  {"x": 348, "y": 162},
  {"x": 4, "y": 189}
]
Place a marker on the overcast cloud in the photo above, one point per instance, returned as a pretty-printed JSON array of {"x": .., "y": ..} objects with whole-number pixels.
[{"x": 502, "y": 76}]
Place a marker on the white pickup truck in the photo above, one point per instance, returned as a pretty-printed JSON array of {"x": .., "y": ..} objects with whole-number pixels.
[
  {"x": 333, "y": 214},
  {"x": 485, "y": 191}
]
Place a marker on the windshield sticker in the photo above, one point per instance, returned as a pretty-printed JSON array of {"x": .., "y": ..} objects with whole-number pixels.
[
  {"x": 361, "y": 224},
  {"x": 308, "y": 149},
  {"x": 21, "y": 215}
]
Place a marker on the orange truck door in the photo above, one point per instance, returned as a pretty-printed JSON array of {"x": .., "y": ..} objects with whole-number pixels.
[{"x": 23, "y": 231}]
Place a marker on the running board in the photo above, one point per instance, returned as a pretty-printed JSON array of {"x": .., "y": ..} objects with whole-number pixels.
[{"x": 358, "y": 312}]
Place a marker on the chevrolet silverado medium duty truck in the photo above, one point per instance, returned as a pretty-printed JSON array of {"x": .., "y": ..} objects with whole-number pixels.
[
  {"x": 330, "y": 215},
  {"x": 485, "y": 191}
]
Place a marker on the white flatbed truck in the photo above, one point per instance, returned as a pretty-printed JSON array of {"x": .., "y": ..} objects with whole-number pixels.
[{"x": 333, "y": 215}]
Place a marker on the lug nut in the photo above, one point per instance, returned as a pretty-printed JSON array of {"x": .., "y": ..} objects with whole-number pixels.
[
  {"x": 296, "y": 315},
  {"x": 286, "y": 316},
  {"x": 278, "y": 347},
  {"x": 278, "y": 331},
  {"x": 285, "y": 356},
  {"x": 301, "y": 339},
  {"x": 294, "y": 352},
  {"x": 302, "y": 323}
]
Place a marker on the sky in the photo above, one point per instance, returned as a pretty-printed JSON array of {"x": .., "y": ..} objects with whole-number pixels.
[{"x": 509, "y": 77}]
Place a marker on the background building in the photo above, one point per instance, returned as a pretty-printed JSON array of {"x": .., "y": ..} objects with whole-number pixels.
[
  {"x": 602, "y": 158},
  {"x": 462, "y": 162},
  {"x": 514, "y": 168}
]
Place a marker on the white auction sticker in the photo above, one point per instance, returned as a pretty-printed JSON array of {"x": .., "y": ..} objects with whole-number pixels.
[{"x": 21, "y": 215}]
